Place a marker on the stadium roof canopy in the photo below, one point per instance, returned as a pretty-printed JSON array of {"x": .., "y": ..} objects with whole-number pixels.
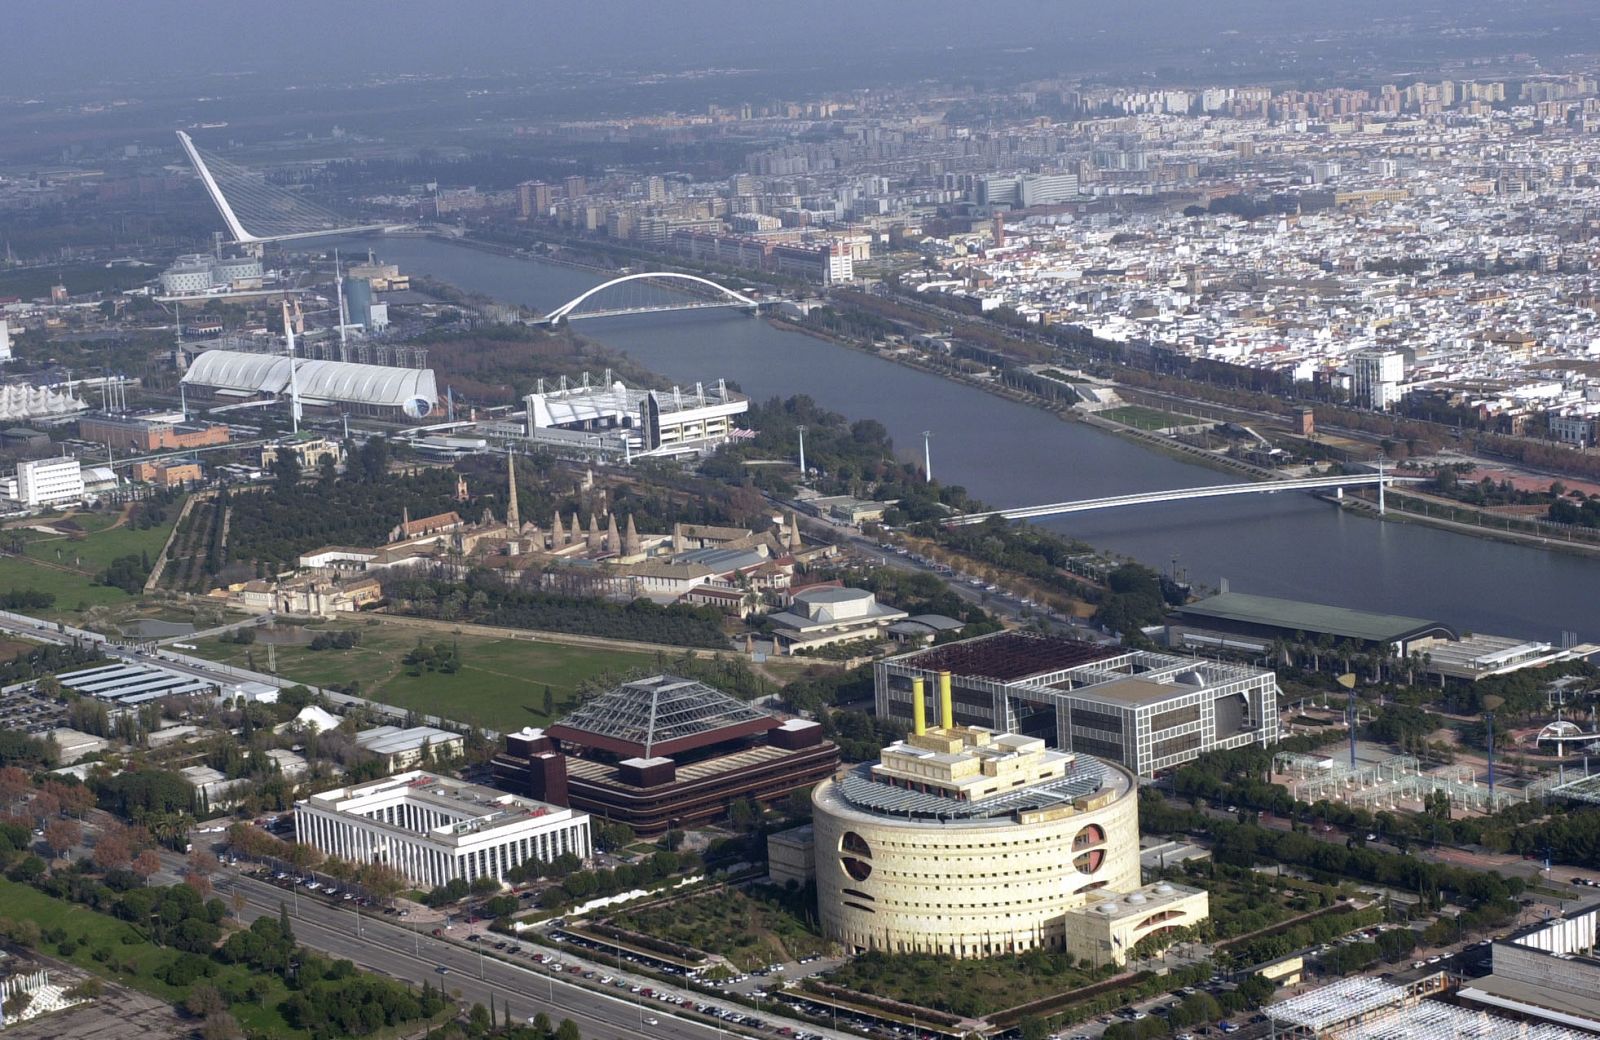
[
  {"x": 659, "y": 716},
  {"x": 321, "y": 382}
]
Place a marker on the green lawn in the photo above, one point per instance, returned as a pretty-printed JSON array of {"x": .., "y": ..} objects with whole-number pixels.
[
  {"x": 70, "y": 587},
  {"x": 102, "y": 545},
  {"x": 1144, "y": 418},
  {"x": 70, "y": 576},
  {"x": 113, "y": 949},
  {"x": 500, "y": 685}
]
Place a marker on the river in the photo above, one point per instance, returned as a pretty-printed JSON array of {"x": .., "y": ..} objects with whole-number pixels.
[{"x": 1009, "y": 454}]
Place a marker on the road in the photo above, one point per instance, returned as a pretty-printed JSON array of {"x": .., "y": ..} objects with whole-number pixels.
[
  {"x": 379, "y": 944},
  {"x": 376, "y": 944},
  {"x": 223, "y": 675}
]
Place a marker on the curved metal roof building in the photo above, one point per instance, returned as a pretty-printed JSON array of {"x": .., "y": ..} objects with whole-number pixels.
[{"x": 321, "y": 382}]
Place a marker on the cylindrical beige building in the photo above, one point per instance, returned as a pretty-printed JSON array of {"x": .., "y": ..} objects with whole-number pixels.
[{"x": 971, "y": 844}]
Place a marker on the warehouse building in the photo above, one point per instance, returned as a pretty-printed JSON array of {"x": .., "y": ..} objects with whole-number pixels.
[
  {"x": 1237, "y": 621},
  {"x": 143, "y": 433},
  {"x": 964, "y": 842},
  {"x": 382, "y": 390},
  {"x": 402, "y": 748},
  {"x": 433, "y": 829},
  {"x": 1143, "y": 710},
  {"x": 129, "y": 684},
  {"x": 665, "y": 752}
]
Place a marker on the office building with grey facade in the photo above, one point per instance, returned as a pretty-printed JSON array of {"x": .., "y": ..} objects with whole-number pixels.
[{"x": 1143, "y": 710}]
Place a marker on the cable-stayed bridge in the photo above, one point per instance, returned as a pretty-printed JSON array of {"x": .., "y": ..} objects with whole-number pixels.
[
  {"x": 256, "y": 210},
  {"x": 1267, "y": 487}
]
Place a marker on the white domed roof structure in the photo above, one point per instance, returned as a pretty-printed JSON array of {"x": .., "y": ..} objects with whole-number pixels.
[{"x": 320, "y": 382}]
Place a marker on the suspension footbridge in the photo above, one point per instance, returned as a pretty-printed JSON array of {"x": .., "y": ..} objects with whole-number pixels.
[{"x": 1379, "y": 480}]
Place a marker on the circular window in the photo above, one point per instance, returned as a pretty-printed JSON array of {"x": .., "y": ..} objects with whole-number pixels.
[
  {"x": 1089, "y": 862},
  {"x": 858, "y": 869},
  {"x": 1093, "y": 834},
  {"x": 855, "y": 844}
]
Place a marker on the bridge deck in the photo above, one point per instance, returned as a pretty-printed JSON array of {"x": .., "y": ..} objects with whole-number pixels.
[{"x": 1210, "y": 491}]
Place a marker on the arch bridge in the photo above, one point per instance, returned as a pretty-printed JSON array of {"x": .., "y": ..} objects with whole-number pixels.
[{"x": 722, "y": 296}]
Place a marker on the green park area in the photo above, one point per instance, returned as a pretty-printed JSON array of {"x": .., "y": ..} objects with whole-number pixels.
[
  {"x": 498, "y": 683},
  {"x": 750, "y": 927},
  {"x": 962, "y": 987},
  {"x": 116, "y": 950},
  {"x": 1143, "y": 418},
  {"x": 68, "y": 562}
]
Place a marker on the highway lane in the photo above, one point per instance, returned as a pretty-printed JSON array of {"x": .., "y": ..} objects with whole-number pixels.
[
  {"x": 410, "y": 956},
  {"x": 413, "y": 956}
]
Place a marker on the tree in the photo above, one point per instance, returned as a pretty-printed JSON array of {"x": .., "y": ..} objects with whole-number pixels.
[
  {"x": 204, "y": 1000},
  {"x": 221, "y": 1026},
  {"x": 147, "y": 864},
  {"x": 60, "y": 836},
  {"x": 381, "y": 881},
  {"x": 202, "y": 862},
  {"x": 568, "y": 1030},
  {"x": 112, "y": 851}
]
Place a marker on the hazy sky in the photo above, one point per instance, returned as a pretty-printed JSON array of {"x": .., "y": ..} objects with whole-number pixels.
[{"x": 52, "y": 43}]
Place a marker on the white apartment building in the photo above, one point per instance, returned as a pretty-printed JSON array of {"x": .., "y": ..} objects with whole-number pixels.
[
  {"x": 44, "y": 482},
  {"x": 433, "y": 829},
  {"x": 1375, "y": 378}
]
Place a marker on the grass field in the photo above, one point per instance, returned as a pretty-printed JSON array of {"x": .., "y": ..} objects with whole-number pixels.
[
  {"x": 500, "y": 685},
  {"x": 1143, "y": 418},
  {"x": 129, "y": 958},
  {"x": 67, "y": 566}
]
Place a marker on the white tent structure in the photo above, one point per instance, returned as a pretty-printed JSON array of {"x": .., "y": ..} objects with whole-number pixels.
[
  {"x": 235, "y": 373},
  {"x": 19, "y": 401}
]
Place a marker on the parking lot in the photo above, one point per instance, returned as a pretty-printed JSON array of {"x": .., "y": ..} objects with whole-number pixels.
[{"x": 25, "y": 711}]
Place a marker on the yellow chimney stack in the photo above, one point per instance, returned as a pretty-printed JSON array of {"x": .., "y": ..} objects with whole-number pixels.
[
  {"x": 947, "y": 715},
  {"x": 919, "y": 712}
]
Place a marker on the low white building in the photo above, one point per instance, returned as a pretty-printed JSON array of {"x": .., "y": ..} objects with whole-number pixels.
[
  {"x": 823, "y": 615},
  {"x": 433, "y": 829},
  {"x": 402, "y": 748}
]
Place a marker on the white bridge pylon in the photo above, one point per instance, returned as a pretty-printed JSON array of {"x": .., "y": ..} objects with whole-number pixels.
[
  {"x": 1213, "y": 491},
  {"x": 271, "y": 195},
  {"x": 730, "y": 298}
]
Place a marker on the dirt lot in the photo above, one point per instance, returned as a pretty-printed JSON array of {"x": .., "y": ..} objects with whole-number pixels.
[{"x": 119, "y": 1014}]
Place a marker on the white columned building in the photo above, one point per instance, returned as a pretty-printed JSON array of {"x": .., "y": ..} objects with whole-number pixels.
[{"x": 434, "y": 829}]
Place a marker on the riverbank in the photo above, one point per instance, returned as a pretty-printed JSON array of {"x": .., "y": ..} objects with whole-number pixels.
[
  {"x": 1004, "y": 451},
  {"x": 514, "y": 253},
  {"x": 1396, "y": 510},
  {"x": 1144, "y": 438}
]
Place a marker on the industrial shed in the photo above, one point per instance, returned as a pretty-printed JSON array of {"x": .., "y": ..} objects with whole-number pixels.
[{"x": 234, "y": 373}]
